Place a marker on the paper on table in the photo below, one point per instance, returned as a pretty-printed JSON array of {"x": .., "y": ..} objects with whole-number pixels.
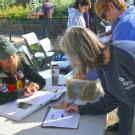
[
  {"x": 60, "y": 118},
  {"x": 13, "y": 110},
  {"x": 59, "y": 90}
]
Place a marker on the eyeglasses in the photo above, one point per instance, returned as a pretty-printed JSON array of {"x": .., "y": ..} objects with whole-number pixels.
[{"x": 103, "y": 15}]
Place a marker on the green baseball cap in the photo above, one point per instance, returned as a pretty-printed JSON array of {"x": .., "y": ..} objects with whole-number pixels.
[{"x": 6, "y": 48}]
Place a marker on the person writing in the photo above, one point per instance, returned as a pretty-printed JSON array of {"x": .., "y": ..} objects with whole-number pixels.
[
  {"x": 13, "y": 74},
  {"x": 122, "y": 18},
  {"x": 115, "y": 67}
]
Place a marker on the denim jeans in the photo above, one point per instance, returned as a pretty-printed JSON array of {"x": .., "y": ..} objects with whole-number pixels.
[{"x": 125, "y": 114}]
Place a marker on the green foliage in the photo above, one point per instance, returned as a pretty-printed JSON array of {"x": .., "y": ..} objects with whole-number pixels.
[
  {"x": 37, "y": 6},
  {"x": 35, "y": 48},
  {"x": 8, "y": 8},
  {"x": 61, "y": 7},
  {"x": 4, "y": 4},
  {"x": 92, "y": 12},
  {"x": 16, "y": 12}
]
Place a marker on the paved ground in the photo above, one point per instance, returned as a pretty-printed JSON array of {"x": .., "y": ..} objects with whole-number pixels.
[
  {"x": 110, "y": 133},
  {"x": 15, "y": 38}
]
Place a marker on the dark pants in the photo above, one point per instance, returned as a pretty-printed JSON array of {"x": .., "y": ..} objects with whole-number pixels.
[{"x": 125, "y": 114}]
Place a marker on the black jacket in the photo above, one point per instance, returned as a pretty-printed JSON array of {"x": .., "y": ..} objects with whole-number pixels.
[{"x": 26, "y": 73}]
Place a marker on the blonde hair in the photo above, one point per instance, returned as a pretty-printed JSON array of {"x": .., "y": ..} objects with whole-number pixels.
[
  {"x": 13, "y": 67},
  {"x": 101, "y": 5},
  {"x": 83, "y": 48},
  {"x": 16, "y": 65}
]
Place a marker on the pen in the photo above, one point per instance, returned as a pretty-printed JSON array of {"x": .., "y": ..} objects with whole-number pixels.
[
  {"x": 72, "y": 101},
  {"x": 63, "y": 114},
  {"x": 52, "y": 116},
  {"x": 61, "y": 85}
]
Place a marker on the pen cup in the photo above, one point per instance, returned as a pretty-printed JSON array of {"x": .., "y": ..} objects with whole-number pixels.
[{"x": 55, "y": 74}]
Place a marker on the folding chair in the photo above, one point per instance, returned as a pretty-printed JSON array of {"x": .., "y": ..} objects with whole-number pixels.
[
  {"x": 31, "y": 39},
  {"x": 50, "y": 55},
  {"x": 38, "y": 56},
  {"x": 48, "y": 50},
  {"x": 24, "y": 57},
  {"x": 53, "y": 56},
  {"x": 24, "y": 53}
]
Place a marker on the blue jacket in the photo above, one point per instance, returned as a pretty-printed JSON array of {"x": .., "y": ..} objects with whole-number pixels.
[
  {"x": 124, "y": 28},
  {"x": 75, "y": 18},
  {"x": 117, "y": 79}
]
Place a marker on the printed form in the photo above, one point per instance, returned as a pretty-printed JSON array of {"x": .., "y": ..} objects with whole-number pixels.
[{"x": 60, "y": 118}]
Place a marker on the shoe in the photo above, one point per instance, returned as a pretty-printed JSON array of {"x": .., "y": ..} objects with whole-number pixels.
[{"x": 113, "y": 128}]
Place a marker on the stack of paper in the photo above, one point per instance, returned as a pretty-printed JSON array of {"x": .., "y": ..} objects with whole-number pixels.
[{"x": 20, "y": 108}]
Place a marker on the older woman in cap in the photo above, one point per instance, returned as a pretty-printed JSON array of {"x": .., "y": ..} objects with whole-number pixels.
[
  {"x": 13, "y": 74},
  {"x": 115, "y": 66}
]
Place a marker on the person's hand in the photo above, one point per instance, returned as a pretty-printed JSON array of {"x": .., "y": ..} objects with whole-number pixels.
[
  {"x": 70, "y": 108},
  {"x": 1, "y": 85},
  {"x": 28, "y": 93},
  {"x": 31, "y": 88}
]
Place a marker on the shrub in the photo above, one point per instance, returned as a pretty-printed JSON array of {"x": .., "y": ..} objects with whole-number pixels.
[
  {"x": 61, "y": 8},
  {"x": 8, "y": 8},
  {"x": 4, "y": 4},
  {"x": 16, "y": 12}
]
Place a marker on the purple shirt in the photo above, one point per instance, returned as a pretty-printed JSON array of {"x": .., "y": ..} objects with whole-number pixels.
[{"x": 87, "y": 19}]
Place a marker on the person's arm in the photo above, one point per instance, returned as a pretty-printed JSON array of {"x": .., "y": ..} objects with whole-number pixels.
[
  {"x": 108, "y": 33},
  {"x": 33, "y": 76},
  {"x": 6, "y": 97},
  {"x": 103, "y": 105}
]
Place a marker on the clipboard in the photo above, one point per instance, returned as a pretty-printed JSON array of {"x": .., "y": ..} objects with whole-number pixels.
[{"x": 56, "y": 117}]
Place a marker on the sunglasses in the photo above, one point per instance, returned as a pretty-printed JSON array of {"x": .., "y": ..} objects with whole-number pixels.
[{"x": 103, "y": 15}]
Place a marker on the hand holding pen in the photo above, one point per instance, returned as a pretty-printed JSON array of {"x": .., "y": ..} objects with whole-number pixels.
[{"x": 70, "y": 106}]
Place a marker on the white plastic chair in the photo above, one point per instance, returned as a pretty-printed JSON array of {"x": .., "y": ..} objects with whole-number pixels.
[
  {"x": 48, "y": 52},
  {"x": 47, "y": 47},
  {"x": 23, "y": 48},
  {"x": 31, "y": 39},
  {"x": 27, "y": 57}
]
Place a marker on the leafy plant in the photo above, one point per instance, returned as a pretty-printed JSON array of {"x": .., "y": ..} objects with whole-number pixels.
[
  {"x": 16, "y": 12},
  {"x": 36, "y": 48},
  {"x": 4, "y": 4},
  {"x": 8, "y": 8},
  {"x": 61, "y": 7}
]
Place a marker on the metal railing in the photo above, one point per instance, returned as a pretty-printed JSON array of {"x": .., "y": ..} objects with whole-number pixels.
[{"x": 42, "y": 27}]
